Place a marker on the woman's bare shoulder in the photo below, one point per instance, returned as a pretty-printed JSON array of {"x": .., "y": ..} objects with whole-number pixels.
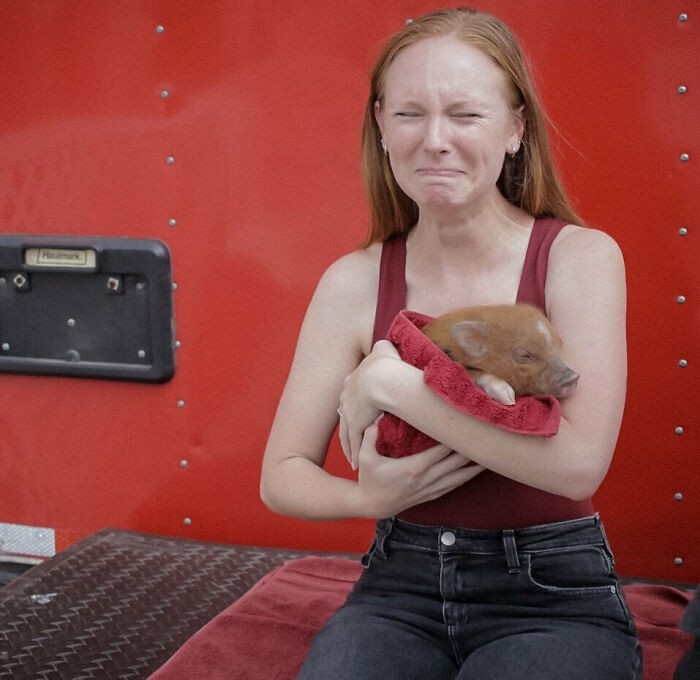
[
  {"x": 584, "y": 244},
  {"x": 354, "y": 276},
  {"x": 345, "y": 299}
]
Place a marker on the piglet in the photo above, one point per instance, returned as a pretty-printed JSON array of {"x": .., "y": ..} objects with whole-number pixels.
[{"x": 509, "y": 350}]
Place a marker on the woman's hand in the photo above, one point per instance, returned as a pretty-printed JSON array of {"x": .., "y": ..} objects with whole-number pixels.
[
  {"x": 389, "y": 485},
  {"x": 358, "y": 403}
]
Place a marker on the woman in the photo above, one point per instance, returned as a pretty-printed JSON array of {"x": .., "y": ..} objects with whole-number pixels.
[{"x": 488, "y": 561}]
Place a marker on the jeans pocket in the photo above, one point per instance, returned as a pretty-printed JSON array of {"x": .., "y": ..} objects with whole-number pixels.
[
  {"x": 580, "y": 570},
  {"x": 579, "y": 582}
]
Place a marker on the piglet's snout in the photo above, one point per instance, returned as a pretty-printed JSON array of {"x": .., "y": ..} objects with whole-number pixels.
[{"x": 566, "y": 384}]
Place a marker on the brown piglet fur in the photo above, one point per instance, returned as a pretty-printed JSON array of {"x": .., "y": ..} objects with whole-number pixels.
[{"x": 509, "y": 350}]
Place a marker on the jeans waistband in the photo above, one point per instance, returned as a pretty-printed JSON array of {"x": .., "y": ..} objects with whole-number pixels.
[{"x": 542, "y": 537}]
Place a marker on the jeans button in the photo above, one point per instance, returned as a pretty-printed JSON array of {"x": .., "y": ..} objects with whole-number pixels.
[{"x": 448, "y": 538}]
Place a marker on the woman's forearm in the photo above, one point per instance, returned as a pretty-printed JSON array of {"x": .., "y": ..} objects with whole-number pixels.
[{"x": 570, "y": 464}]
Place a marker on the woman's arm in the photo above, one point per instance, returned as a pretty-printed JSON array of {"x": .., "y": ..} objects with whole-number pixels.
[
  {"x": 334, "y": 336},
  {"x": 586, "y": 302}
]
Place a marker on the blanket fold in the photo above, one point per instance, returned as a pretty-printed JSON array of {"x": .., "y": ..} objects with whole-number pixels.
[{"x": 451, "y": 382}]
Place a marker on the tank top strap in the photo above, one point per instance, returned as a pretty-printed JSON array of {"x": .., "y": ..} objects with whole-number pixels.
[
  {"x": 391, "y": 294},
  {"x": 534, "y": 275}
]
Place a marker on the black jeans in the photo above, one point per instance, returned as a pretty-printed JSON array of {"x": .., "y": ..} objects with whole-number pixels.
[{"x": 434, "y": 603}]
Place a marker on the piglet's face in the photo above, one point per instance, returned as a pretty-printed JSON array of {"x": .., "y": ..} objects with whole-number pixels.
[{"x": 526, "y": 354}]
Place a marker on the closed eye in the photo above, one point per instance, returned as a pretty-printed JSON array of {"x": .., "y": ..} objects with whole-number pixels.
[{"x": 521, "y": 355}]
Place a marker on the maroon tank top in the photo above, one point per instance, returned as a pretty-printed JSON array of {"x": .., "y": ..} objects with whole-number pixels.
[{"x": 489, "y": 501}]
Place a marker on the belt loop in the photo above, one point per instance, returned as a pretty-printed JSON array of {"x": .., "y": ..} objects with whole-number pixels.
[
  {"x": 387, "y": 526},
  {"x": 511, "y": 551}
]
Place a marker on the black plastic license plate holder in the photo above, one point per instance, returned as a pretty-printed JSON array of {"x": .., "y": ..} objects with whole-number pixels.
[{"x": 88, "y": 307}]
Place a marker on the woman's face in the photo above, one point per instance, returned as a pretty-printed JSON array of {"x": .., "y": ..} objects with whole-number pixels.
[{"x": 447, "y": 123}]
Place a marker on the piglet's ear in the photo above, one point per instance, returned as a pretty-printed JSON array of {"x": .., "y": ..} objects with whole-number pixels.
[{"x": 472, "y": 337}]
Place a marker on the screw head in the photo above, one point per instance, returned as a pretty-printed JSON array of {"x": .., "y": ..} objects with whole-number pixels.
[
  {"x": 683, "y": 231},
  {"x": 682, "y": 89},
  {"x": 679, "y": 430}
]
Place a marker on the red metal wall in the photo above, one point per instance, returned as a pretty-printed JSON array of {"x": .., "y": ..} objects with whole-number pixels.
[{"x": 257, "y": 105}]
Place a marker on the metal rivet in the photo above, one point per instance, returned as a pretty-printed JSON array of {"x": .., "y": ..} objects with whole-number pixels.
[
  {"x": 5, "y": 346},
  {"x": 678, "y": 561},
  {"x": 183, "y": 463},
  {"x": 71, "y": 322},
  {"x": 682, "y": 231},
  {"x": 160, "y": 28},
  {"x": 181, "y": 403},
  {"x": 170, "y": 160},
  {"x": 684, "y": 157},
  {"x": 683, "y": 363},
  {"x": 177, "y": 344},
  {"x": 613, "y": 589},
  {"x": 187, "y": 521},
  {"x": 448, "y": 538},
  {"x": 683, "y": 17},
  {"x": 680, "y": 299},
  {"x": 678, "y": 496},
  {"x": 164, "y": 94},
  {"x": 682, "y": 89},
  {"x": 141, "y": 354},
  {"x": 172, "y": 222},
  {"x": 173, "y": 285},
  {"x": 679, "y": 430}
]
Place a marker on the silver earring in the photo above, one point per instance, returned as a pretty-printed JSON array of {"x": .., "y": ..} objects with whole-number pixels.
[{"x": 384, "y": 149}]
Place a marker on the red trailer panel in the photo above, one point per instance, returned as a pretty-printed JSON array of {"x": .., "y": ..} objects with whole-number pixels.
[{"x": 230, "y": 132}]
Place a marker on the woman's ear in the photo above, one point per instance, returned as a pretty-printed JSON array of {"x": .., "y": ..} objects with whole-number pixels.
[
  {"x": 519, "y": 121},
  {"x": 378, "y": 115}
]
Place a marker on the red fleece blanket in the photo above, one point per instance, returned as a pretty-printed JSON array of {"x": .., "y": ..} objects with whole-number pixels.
[
  {"x": 451, "y": 381},
  {"x": 266, "y": 634}
]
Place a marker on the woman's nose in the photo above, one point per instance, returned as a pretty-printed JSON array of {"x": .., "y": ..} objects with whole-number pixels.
[{"x": 436, "y": 136}]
